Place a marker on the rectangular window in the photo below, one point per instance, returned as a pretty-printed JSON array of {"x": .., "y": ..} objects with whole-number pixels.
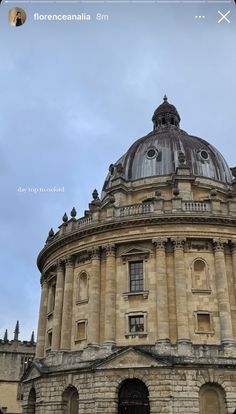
[
  {"x": 136, "y": 276},
  {"x": 81, "y": 331},
  {"x": 49, "y": 342},
  {"x": 203, "y": 322},
  {"x": 51, "y": 298},
  {"x": 136, "y": 324}
]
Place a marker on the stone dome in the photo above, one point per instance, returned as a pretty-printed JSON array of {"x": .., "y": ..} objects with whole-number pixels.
[{"x": 167, "y": 147}]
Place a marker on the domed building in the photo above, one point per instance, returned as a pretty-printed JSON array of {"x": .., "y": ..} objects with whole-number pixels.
[{"x": 138, "y": 302}]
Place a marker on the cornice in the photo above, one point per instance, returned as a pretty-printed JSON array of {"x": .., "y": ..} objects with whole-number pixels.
[{"x": 129, "y": 222}]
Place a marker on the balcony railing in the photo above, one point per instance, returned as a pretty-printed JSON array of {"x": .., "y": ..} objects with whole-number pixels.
[
  {"x": 135, "y": 209},
  {"x": 197, "y": 206},
  {"x": 84, "y": 221},
  {"x": 149, "y": 209}
]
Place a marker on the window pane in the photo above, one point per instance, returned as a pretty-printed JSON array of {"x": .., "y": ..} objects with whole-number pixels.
[
  {"x": 136, "y": 276},
  {"x": 136, "y": 323}
]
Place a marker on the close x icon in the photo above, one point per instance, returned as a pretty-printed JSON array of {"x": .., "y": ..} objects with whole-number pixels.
[{"x": 224, "y": 17}]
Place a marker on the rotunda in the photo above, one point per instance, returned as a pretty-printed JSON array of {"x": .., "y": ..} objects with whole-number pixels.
[{"x": 138, "y": 301}]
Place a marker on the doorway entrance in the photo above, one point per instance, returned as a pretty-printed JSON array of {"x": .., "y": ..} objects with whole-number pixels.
[{"x": 133, "y": 398}]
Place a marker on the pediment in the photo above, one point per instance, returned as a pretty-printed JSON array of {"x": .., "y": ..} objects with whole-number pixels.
[
  {"x": 135, "y": 251},
  {"x": 131, "y": 358},
  {"x": 32, "y": 373}
]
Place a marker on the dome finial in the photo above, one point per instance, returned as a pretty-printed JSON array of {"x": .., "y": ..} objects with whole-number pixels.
[{"x": 165, "y": 99}]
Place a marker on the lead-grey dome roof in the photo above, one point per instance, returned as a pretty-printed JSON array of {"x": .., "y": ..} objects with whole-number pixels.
[{"x": 158, "y": 153}]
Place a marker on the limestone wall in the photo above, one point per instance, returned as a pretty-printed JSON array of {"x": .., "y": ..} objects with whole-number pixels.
[{"x": 172, "y": 391}]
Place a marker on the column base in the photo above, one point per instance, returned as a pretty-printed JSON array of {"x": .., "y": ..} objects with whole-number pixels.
[
  {"x": 163, "y": 341},
  {"x": 228, "y": 342},
  {"x": 184, "y": 347},
  {"x": 93, "y": 345},
  {"x": 163, "y": 346},
  {"x": 229, "y": 348},
  {"x": 109, "y": 344}
]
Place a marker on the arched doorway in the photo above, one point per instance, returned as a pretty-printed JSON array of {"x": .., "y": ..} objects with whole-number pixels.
[
  {"x": 70, "y": 400},
  {"x": 133, "y": 397},
  {"x": 31, "y": 402},
  {"x": 212, "y": 399}
]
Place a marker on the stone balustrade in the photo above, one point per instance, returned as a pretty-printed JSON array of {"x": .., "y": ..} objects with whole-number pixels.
[
  {"x": 196, "y": 206},
  {"x": 153, "y": 208},
  {"x": 84, "y": 222},
  {"x": 134, "y": 209}
]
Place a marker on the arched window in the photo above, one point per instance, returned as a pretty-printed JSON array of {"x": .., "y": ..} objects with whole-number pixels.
[
  {"x": 82, "y": 287},
  {"x": 212, "y": 399},
  {"x": 133, "y": 397},
  {"x": 31, "y": 401},
  {"x": 70, "y": 399},
  {"x": 200, "y": 277}
]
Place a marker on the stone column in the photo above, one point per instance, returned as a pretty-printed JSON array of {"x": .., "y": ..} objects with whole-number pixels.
[
  {"x": 223, "y": 294},
  {"x": 233, "y": 252},
  {"x": 42, "y": 319},
  {"x": 181, "y": 291},
  {"x": 67, "y": 305},
  {"x": 163, "y": 334},
  {"x": 57, "y": 314},
  {"x": 94, "y": 299},
  {"x": 110, "y": 296}
]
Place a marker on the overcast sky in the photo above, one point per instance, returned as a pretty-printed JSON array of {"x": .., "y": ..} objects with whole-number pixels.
[{"x": 75, "y": 95}]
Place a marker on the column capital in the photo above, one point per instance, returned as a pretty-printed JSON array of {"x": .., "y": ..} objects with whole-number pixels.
[
  {"x": 95, "y": 252},
  {"x": 110, "y": 249},
  {"x": 159, "y": 243},
  {"x": 69, "y": 261},
  {"x": 43, "y": 278},
  {"x": 178, "y": 243},
  {"x": 233, "y": 246},
  {"x": 218, "y": 245},
  {"x": 60, "y": 264}
]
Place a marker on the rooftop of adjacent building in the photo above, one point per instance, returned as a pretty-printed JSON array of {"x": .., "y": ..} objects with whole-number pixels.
[{"x": 15, "y": 344}]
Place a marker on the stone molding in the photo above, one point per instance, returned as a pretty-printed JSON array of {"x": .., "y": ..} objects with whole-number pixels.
[{"x": 116, "y": 224}]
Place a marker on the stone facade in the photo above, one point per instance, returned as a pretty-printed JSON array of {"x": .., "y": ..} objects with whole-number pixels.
[
  {"x": 138, "y": 303},
  {"x": 15, "y": 357},
  {"x": 174, "y": 383}
]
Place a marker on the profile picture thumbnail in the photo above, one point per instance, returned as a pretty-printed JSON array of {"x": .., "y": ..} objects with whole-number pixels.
[{"x": 17, "y": 16}]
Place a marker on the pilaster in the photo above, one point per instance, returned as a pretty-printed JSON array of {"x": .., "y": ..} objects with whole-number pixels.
[
  {"x": 223, "y": 293},
  {"x": 233, "y": 252},
  {"x": 110, "y": 296},
  {"x": 67, "y": 305},
  {"x": 163, "y": 334},
  {"x": 94, "y": 298},
  {"x": 57, "y": 314},
  {"x": 181, "y": 291},
  {"x": 42, "y": 318}
]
